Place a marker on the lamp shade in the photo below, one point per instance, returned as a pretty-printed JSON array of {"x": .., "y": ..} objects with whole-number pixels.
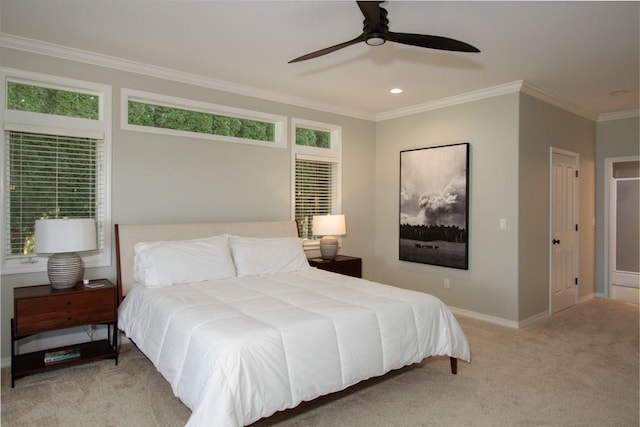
[
  {"x": 65, "y": 235},
  {"x": 329, "y": 225}
]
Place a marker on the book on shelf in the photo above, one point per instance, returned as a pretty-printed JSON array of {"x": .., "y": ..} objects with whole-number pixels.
[{"x": 62, "y": 355}]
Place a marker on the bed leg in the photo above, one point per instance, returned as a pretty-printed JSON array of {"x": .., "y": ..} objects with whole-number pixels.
[{"x": 454, "y": 365}]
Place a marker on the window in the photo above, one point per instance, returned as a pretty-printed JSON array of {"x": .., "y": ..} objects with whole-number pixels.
[
  {"x": 317, "y": 179},
  {"x": 148, "y": 112},
  {"x": 55, "y": 150},
  {"x": 315, "y": 190},
  {"x": 38, "y": 99},
  {"x": 313, "y": 138}
]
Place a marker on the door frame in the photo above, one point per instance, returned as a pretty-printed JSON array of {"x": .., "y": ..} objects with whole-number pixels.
[
  {"x": 576, "y": 214},
  {"x": 608, "y": 235}
]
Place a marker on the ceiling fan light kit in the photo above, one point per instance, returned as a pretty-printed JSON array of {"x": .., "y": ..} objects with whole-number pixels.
[
  {"x": 376, "y": 32},
  {"x": 375, "y": 40}
]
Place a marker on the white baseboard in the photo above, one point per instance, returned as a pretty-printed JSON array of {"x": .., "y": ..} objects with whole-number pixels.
[
  {"x": 485, "y": 317},
  {"x": 586, "y": 298},
  {"x": 533, "y": 319},
  {"x": 511, "y": 323}
]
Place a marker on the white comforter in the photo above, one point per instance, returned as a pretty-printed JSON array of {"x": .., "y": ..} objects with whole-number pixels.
[{"x": 236, "y": 350}]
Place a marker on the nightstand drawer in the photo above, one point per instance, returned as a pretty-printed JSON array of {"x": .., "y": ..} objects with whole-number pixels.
[{"x": 41, "y": 314}]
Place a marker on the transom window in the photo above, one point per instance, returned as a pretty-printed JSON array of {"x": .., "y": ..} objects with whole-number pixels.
[
  {"x": 313, "y": 138},
  {"x": 149, "y": 112},
  {"x": 47, "y": 100}
]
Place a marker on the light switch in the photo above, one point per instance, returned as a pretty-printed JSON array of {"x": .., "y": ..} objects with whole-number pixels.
[{"x": 503, "y": 223}]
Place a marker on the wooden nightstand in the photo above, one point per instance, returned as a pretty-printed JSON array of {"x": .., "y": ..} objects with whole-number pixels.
[
  {"x": 38, "y": 309},
  {"x": 348, "y": 265}
]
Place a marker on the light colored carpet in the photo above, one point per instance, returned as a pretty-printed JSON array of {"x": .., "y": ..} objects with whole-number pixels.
[{"x": 578, "y": 368}]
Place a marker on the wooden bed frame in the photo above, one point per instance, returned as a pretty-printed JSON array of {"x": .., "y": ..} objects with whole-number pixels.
[{"x": 128, "y": 235}]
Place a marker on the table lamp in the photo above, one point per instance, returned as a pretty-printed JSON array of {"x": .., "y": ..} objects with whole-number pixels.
[
  {"x": 63, "y": 238},
  {"x": 329, "y": 226}
]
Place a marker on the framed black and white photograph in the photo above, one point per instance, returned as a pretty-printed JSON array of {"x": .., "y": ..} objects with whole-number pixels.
[{"x": 434, "y": 205}]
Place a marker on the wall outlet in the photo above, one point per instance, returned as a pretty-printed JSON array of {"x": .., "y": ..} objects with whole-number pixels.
[{"x": 447, "y": 285}]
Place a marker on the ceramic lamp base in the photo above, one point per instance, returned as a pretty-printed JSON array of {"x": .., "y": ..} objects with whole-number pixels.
[
  {"x": 328, "y": 247},
  {"x": 65, "y": 270}
]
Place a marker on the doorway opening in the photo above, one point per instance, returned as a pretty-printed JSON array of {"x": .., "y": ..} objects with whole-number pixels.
[{"x": 622, "y": 257}]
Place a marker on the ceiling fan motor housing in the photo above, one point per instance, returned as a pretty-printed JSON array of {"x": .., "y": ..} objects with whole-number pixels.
[{"x": 376, "y": 36}]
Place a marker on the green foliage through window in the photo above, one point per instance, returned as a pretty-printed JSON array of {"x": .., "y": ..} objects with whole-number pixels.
[
  {"x": 49, "y": 176},
  {"x": 144, "y": 114},
  {"x": 315, "y": 192},
  {"x": 313, "y": 138},
  {"x": 38, "y": 99}
]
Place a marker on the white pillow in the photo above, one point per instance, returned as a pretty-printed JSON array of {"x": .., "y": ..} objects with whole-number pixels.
[
  {"x": 158, "y": 264},
  {"x": 253, "y": 256}
]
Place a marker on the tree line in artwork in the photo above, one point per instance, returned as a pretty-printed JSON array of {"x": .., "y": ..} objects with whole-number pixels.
[{"x": 430, "y": 233}]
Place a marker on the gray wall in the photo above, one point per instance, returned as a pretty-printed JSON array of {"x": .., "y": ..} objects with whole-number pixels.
[
  {"x": 543, "y": 126},
  {"x": 510, "y": 136},
  {"x": 490, "y": 285},
  {"x": 158, "y": 179},
  {"x": 614, "y": 138}
]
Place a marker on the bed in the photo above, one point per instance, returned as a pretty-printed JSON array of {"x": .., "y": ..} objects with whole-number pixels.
[{"x": 241, "y": 327}]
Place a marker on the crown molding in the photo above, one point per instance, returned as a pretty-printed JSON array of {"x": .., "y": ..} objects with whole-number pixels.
[
  {"x": 618, "y": 115},
  {"x": 92, "y": 58},
  {"x": 78, "y": 55},
  {"x": 517, "y": 86},
  {"x": 558, "y": 101},
  {"x": 453, "y": 100}
]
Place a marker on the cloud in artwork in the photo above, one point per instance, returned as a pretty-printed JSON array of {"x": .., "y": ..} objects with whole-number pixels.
[{"x": 447, "y": 207}]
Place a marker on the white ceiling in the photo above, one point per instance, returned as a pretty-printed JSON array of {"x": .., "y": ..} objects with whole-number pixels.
[{"x": 579, "y": 52}]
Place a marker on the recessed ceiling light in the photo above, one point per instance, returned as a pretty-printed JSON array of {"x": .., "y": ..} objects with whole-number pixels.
[
  {"x": 396, "y": 90},
  {"x": 619, "y": 92}
]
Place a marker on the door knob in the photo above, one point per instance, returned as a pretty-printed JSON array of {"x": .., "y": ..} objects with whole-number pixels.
[{"x": 555, "y": 241}]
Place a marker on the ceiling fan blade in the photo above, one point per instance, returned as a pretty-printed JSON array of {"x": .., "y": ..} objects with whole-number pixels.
[
  {"x": 431, "y": 42},
  {"x": 371, "y": 12},
  {"x": 376, "y": 32},
  {"x": 324, "y": 51}
]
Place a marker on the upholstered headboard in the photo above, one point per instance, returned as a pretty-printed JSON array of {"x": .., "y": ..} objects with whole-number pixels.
[{"x": 128, "y": 235}]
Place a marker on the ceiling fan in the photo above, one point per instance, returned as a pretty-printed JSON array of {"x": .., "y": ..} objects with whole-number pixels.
[{"x": 376, "y": 32}]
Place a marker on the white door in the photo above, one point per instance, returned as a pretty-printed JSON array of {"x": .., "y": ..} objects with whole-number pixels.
[{"x": 563, "y": 230}]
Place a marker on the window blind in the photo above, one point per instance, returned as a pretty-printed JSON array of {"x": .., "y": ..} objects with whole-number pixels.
[
  {"x": 315, "y": 190},
  {"x": 50, "y": 176}
]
